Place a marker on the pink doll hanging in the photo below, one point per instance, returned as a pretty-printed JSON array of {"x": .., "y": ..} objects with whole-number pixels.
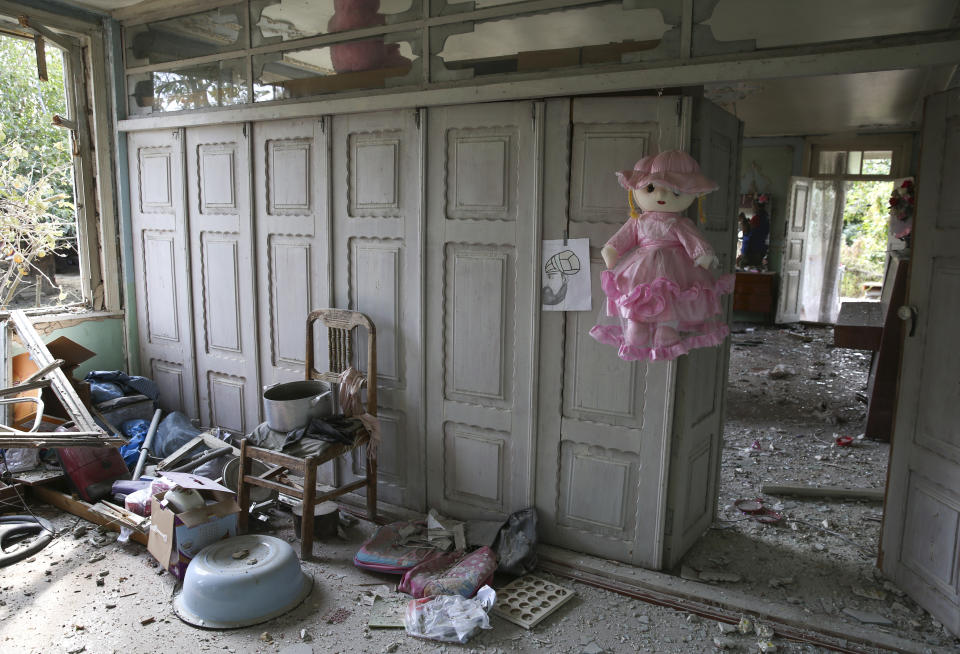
[{"x": 661, "y": 298}]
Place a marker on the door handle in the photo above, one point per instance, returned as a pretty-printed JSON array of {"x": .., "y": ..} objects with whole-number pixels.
[{"x": 909, "y": 312}]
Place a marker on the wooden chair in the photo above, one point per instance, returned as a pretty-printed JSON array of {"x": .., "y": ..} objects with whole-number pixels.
[{"x": 340, "y": 325}]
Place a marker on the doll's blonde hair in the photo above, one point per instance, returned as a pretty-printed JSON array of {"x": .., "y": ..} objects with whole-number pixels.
[{"x": 633, "y": 209}]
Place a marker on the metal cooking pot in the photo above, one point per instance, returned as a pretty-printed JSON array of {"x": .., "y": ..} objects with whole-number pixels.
[{"x": 292, "y": 405}]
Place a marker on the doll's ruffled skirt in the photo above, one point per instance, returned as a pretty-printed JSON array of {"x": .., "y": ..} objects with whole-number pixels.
[{"x": 662, "y": 319}]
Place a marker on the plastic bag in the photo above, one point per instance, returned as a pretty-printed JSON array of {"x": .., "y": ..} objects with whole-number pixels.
[
  {"x": 104, "y": 392},
  {"x": 18, "y": 459},
  {"x": 450, "y": 618},
  {"x": 138, "y": 502},
  {"x": 136, "y": 431},
  {"x": 517, "y": 546},
  {"x": 175, "y": 431}
]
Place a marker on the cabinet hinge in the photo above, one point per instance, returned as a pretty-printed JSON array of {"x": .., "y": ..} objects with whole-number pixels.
[{"x": 416, "y": 117}]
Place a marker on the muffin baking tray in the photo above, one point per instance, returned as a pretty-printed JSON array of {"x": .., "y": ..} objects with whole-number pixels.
[{"x": 528, "y": 600}]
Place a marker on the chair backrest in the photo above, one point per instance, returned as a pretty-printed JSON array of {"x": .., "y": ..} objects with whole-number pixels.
[{"x": 340, "y": 324}]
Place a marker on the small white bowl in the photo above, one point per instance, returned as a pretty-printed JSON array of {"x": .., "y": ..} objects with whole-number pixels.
[{"x": 241, "y": 581}]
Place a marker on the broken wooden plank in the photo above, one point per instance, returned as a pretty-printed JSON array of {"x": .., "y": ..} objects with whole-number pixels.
[
  {"x": 62, "y": 388},
  {"x": 831, "y": 492},
  {"x": 8, "y": 492},
  {"x": 121, "y": 516},
  {"x": 80, "y": 509},
  {"x": 55, "y": 439},
  {"x": 176, "y": 457},
  {"x": 37, "y": 476},
  {"x": 206, "y": 438}
]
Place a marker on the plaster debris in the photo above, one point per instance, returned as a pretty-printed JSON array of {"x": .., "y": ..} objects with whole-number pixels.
[
  {"x": 717, "y": 575},
  {"x": 782, "y": 371},
  {"x": 725, "y": 642},
  {"x": 866, "y": 617}
]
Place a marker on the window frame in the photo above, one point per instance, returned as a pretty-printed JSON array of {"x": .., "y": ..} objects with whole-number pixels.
[
  {"x": 87, "y": 87},
  {"x": 900, "y": 146}
]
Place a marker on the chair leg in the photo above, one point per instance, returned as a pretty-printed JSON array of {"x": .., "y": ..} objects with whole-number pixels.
[
  {"x": 371, "y": 487},
  {"x": 309, "y": 495},
  {"x": 243, "y": 490}
]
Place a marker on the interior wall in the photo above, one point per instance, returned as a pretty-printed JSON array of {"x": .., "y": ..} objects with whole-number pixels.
[{"x": 101, "y": 334}]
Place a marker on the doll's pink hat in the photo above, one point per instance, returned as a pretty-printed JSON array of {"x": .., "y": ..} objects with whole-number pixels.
[{"x": 674, "y": 169}]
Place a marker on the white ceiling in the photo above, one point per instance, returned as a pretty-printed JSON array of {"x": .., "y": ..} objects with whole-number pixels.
[{"x": 879, "y": 101}]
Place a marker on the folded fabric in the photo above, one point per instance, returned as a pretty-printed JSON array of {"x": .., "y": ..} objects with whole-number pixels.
[
  {"x": 333, "y": 429},
  {"x": 385, "y": 551},
  {"x": 450, "y": 574}
]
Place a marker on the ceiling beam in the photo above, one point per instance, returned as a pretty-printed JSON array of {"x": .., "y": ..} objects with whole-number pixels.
[{"x": 897, "y": 52}]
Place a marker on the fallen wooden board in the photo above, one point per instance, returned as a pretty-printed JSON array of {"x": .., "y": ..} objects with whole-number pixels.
[
  {"x": 80, "y": 509},
  {"x": 8, "y": 492},
  {"x": 206, "y": 438},
  {"x": 723, "y": 604},
  {"x": 37, "y": 477},
  {"x": 833, "y": 492},
  {"x": 121, "y": 516}
]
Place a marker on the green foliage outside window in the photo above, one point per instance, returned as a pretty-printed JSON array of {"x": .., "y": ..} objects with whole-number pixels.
[
  {"x": 37, "y": 215},
  {"x": 865, "y": 219}
]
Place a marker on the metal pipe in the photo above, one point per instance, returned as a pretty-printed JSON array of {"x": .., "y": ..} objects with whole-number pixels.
[
  {"x": 147, "y": 442},
  {"x": 212, "y": 454}
]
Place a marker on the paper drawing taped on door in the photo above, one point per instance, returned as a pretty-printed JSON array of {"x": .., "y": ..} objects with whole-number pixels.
[{"x": 566, "y": 275}]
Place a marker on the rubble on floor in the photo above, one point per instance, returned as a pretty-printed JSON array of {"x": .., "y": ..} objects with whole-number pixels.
[{"x": 782, "y": 429}]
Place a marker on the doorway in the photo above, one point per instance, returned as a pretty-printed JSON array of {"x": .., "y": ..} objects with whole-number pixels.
[{"x": 801, "y": 489}]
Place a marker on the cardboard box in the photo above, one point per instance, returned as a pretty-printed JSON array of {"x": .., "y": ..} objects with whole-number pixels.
[
  {"x": 23, "y": 366},
  {"x": 175, "y": 538}
]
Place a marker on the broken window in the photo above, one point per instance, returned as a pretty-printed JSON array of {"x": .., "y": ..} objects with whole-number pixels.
[
  {"x": 213, "y": 84},
  {"x": 39, "y": 259},
  {"x": 213, "y": 32},
  {"x": 377, "y": 62},
  {"x": 585, "y": 36},
  {"x": 279, "y": 21}
]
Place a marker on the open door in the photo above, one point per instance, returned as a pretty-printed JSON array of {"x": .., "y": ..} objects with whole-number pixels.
[
  {"x": 809, "y": 273},
  {"x": 920, "y": 549}
]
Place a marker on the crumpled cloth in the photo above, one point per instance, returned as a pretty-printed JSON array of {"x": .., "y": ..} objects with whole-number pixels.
[{"x": 352, "y": 405}]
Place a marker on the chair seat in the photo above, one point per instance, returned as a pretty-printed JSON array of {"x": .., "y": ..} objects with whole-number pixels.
[{"x": 269, "y": 439}]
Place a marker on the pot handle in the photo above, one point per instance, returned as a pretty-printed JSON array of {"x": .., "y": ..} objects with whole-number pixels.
[{"x": 316, "y": 399}]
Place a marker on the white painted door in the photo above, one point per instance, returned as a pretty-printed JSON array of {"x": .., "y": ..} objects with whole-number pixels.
[
  {"x": 789, "y": 306},
  {"x": 378, "y": 268},
  {"x": 482, "y": 227},
  {"x": 701, "y": 382},
  {"x": 292, "y": 241},
  {"x": 161, "y": 266},
  {"x": 920, "y": 549},
  {"x": 809, "y": 276},
  {"x": 224, "y": 299},
  {"x": 604, "y": 424}
]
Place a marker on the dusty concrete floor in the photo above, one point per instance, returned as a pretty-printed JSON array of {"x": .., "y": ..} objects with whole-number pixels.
[
  {"x": 782, "y": 430},
  {"x": 51, "y": 603}
]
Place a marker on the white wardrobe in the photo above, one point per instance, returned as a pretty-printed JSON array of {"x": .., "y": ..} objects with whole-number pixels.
[{"x": 430, "y": 221}]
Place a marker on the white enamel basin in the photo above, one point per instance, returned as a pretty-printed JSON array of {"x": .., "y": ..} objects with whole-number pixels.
[{"x": 221, "y": 591}]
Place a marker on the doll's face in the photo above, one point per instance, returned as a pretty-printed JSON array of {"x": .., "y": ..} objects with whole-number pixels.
[{"x": 660, "y": 198}]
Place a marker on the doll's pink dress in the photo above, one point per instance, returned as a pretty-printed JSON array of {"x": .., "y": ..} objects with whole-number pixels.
[{"x": 655, "y": 285}]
